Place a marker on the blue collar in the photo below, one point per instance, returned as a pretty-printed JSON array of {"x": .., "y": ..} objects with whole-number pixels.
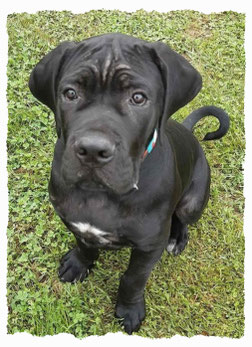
[{"x": 151, "y": 144}]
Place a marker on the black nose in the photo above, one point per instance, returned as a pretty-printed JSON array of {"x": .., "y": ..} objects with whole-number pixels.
[{"x": 94, "y": 148}]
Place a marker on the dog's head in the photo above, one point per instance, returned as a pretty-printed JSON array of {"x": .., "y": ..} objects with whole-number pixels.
[{"x": 108, "y": 94}]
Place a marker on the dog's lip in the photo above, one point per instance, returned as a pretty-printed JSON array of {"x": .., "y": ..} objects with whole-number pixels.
[
  {"x": 91, "y": 186},
  {"x": 98, "y": 187}
]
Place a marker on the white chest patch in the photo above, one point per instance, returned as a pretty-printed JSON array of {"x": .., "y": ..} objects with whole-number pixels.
[{"x": 90, "y": 232}]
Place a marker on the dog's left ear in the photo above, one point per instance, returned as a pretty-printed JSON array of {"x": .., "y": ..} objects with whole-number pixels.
[{"x": 181, "y": 81}]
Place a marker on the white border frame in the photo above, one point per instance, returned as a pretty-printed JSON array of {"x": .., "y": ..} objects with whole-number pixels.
[{"x": 12, "y": 6}]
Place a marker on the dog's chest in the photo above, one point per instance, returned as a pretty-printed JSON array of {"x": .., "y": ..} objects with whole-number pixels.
[
  {"x": 93, "y": 236},
  {"x": 96, "y": 221}
]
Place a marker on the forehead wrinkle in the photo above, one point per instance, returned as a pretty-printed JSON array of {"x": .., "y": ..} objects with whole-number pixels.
[
  {"x": 106, "y": 67},
  {"x": 95, "y": 70},
  {"x": 118, "y": 68},
  {"x": 110, "y": 69},
  {"x": 84, "y": 70},
  {"x": 112, "y": 65}
]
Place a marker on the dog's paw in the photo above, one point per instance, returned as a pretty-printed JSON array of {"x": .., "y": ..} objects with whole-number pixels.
[
  {"x": 74, "y": 267},
  {"x": 131, "y": 315},
  {"x": 175, "y": 246}
]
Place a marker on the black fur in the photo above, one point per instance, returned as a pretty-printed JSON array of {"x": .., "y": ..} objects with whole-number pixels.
[{"x": 98, "y": 162}]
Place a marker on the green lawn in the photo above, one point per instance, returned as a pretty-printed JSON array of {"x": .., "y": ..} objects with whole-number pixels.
[{"x": 199, "y": 292}]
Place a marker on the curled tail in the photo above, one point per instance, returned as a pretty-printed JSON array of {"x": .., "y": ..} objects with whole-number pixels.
[{"x": 201, "y": 112}]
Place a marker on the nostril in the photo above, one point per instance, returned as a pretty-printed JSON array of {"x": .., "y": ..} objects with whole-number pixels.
[
  {"x": 105, "y": 154},
  {"x": 102, "y": 154},
  {"x": 82, "y": 152}
]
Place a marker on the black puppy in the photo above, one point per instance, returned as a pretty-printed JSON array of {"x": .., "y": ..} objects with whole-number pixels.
[{"x": 123, "y": 175}]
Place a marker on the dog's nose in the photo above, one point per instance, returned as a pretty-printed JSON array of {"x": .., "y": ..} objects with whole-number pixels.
[{"x": 94, "y": 148}]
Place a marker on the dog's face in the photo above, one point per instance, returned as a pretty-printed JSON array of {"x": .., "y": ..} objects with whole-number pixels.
[
  {"x": 108, "y": 109},
  {"x": 108, "y": 94}
]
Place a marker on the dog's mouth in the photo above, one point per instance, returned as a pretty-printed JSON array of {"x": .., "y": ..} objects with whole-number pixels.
[
  {"x": 92, "y": 186},
  {"x": 101, "y": 182},
  {"x": 119, "y": 177}
]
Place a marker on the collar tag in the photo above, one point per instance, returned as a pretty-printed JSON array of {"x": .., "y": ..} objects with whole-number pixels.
[{"x": 151, "y": 144}]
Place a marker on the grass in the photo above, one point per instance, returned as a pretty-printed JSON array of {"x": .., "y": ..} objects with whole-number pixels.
[{"x": 199, "y": 292}]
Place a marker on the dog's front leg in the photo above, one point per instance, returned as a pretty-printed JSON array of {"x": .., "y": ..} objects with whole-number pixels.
[
  {"x": 75, "y": 265},
  {"x": 130, "y": 305}
]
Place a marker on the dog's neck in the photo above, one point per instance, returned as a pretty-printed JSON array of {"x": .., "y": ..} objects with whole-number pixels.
[{"x": 151, "y": 144}]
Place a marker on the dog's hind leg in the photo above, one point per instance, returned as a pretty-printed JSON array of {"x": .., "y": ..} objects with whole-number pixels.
[
  {"x": 190, "y": 206},
  {"x": 178, "y": 237}
]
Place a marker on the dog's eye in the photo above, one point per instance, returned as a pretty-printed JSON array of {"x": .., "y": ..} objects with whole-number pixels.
[
  {"x": 138, "y": 99},
  {"x": 70, "y": 94}
]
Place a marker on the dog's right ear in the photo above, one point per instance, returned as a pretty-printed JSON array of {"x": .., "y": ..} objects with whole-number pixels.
[{"x": 43, "y": 79}]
